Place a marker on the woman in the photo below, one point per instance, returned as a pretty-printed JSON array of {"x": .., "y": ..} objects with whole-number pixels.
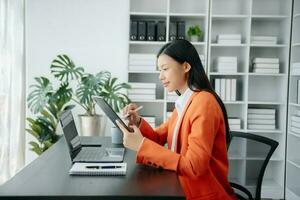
[{"x": 196, "y": 132}]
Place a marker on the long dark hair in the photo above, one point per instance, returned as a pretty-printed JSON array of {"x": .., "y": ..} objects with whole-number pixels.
[{"x": 183, "y": 51}]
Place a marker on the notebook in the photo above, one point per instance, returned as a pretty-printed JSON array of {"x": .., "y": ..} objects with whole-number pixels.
[{"x": 99, "y": 169}]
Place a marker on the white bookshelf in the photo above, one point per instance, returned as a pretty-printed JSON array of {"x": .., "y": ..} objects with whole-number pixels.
[
  {"x": 261, "y": 90},
  {"x": 293, "y": 138}
]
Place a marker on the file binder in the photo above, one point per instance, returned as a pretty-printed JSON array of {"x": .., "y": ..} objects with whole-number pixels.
[
  {"x": 150, "y": 30},
  {"x": 181, "y": 30},
  {"x": 98, "y": 169},
  {"x": 141, "y": 30},
  {"x": 133, "y": 30},
  {"x": 173, "y": 31},
  {"x": 161, "y": 31}
]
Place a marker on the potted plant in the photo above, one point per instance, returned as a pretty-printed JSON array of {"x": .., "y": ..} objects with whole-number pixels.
[
  {"x": 194, "y": 33},
  {"x": 48, "y": 104},
  {"x": 85, "y": 86}
]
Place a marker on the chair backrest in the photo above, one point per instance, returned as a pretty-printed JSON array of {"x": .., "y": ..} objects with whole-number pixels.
[{"x": 263, "y": 140}]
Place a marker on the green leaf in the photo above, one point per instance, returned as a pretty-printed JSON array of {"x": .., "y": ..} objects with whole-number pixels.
[
  {"x": 36, "y": 148},
  {"x": 89, "y": 86},
  {"x": 39, "y": 96},
  {"x": 63, "y": 94},
  {"x": 64, "y": 68},
  {"x": 114, "y": 98}
]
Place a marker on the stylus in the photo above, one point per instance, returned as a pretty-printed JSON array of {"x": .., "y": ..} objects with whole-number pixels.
[{"x": 127, "y": 115}]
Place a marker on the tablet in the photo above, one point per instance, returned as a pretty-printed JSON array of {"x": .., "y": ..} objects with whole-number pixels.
[{"x": 112, "y": 115}]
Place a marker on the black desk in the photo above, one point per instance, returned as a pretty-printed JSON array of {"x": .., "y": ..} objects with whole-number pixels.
[{"x": 47, "y": 178}]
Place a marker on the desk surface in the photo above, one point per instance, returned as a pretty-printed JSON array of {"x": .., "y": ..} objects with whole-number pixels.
[{"x": 47, "y": 178}]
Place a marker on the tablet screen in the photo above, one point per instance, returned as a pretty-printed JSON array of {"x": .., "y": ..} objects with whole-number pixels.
[{"x": 112, "y": 115}]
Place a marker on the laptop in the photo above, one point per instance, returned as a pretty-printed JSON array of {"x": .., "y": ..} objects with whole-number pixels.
[{"x": 90, "y": 154}]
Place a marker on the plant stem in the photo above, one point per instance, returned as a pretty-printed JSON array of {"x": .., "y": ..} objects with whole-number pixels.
[{"x": 80, "y": 104}]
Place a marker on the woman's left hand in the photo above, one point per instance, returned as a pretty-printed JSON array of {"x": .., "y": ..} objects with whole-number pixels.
[{"x": 131, "y": 140}]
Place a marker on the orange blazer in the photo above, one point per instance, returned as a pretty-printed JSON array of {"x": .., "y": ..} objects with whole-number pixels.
[{"x": 200, "y": 157}]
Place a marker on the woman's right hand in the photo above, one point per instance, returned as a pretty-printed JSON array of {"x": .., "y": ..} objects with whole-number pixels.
[{"x": 134, "y": 118}]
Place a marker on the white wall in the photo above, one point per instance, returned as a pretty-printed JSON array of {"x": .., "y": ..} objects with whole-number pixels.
[{"x": 94, "y": 33}]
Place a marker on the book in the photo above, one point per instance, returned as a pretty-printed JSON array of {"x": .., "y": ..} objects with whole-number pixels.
[
  {"x": 230, "y": 59},
  {"x": 98, "y": 169},
  {"x": 298, "y": 91},
  {"x": 223, "y": 89},
  {"x": 295, "y": 118},
  {"x": 261, "y": 116},
  {"x": 229, "y": 42},
  {"x": 229, "y": 36},
  {"x": 218, "y": 86},
  {"x": 234, "y": 121},
  {"x": 266, "y": 60},
  {"x": 266, "y": 65},
  {"x": 233, "y": 90},
  {"x": 261, "y": 111},
  {"x": 295, "y": 124},
  {"x": 264, "y": 38},
  {"x": 261, "y": 121},
  {"x": 262, "y": 126},
  {"x": 235, "y": 126},
  {"x": 265, "y": 70},
  {"x": 228, "y": 90}
]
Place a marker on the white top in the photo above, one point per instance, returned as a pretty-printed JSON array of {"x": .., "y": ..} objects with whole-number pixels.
[{"x": 180, "y": 105}]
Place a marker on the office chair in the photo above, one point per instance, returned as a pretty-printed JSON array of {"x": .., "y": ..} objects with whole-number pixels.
[{"x": 265, "y": 141}]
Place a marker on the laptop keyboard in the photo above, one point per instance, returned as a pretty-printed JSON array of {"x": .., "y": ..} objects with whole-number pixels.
[{"x": 90, "y": 154}]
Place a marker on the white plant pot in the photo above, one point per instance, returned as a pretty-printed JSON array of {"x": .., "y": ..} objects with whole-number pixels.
[
  {"x": 194, "y": 38},
  {"x": 90, "y": 125}
]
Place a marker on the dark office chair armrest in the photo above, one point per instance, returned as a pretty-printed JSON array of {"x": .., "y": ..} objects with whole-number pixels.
[{"x": 241, "y": 188}]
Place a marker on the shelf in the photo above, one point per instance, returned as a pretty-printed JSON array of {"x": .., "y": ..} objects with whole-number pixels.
[
  {"x": 295, "y": 163},
  {"x": 148, "y": 42},
  {"x": 188, "y": 15},
  {"x": 148, "y": 14},
  {"x": 266, "y": 74},
  {"x": 236, "y": 157},
  {"x": 269, "y": 45},
  {"x": 199, "y": 43},
  {"x": 269, "y": 16},
  {"x": 296, "y": 15},
  {"x": 265, "y": 131},
  {"x": 143, "y": 72},
  {"x": 265, "y": 103},
  {"x": 228, "y": 74},
  {"x": 227, "y": 45},
  {"x": 230, "y": 16},
  {"x": 294, "y": 104},
  {"x": 296, "y": 44}
]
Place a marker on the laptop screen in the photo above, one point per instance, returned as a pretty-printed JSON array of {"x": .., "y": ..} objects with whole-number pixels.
[{"x": 70, "y": 131}]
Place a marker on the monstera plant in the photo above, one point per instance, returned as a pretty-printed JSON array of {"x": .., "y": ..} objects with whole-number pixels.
[{"x": 75, "y": 86}]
